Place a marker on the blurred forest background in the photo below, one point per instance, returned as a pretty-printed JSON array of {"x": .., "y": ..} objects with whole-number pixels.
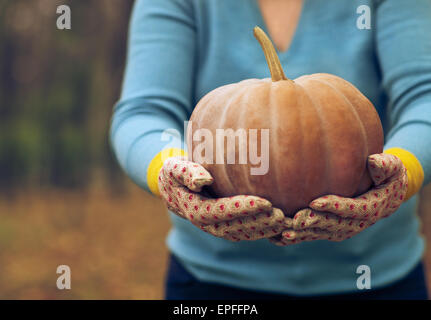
[
  {"x": 63, "y": 198},
  {"x": 57, "y": 88}
]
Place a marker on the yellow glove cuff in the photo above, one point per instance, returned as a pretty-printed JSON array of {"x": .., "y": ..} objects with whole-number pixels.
[
  {"x": 415, "y": 172},
  {"x": 157, "y": 163}
]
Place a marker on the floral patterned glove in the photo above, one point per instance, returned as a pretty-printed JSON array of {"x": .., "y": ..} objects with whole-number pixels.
[
  {"x": 337, "y": 218},
  {"x": 235, "y": 218}
]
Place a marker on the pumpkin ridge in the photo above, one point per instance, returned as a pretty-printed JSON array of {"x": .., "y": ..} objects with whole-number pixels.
[
  {"x": 318, "y": 112},
  {"x": 331, "y": 77},
  {"x": 226, "y": 90},
  {"x": 342, "y": 96},
  {"x": 302, "y": 128},
  {"x": 356, "y": 99},
  {"x": 225, "y": 167},
  {"x": 244, "y": 181},
  {"x": 202, "y": 110},
  {"x": 355, "y": 112},
  {"x": 245, "y": 174},
  {"x": 244, "y": 168},
  {"x": 273, "y": 109}
]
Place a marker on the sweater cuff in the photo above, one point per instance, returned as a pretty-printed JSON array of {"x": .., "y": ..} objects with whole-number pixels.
[
  {"x": 157, "y": 163},
  {"x": 415, "y": 172}
]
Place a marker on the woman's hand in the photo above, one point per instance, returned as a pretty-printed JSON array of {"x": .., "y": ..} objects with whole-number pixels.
[
  {"x": 337, "y": 218},
  {"x": 235, "y": 218}
]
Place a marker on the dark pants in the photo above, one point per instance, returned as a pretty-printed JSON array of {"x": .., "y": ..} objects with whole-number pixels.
[{"x": 181, "y": 285}]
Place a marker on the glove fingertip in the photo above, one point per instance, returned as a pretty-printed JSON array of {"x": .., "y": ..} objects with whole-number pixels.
[
  {"x": 197, "y": 184},
  {"x": 320, "y": 204},
  {"x": 278, "y": 213},
  {"x": 263, "y": 203}
]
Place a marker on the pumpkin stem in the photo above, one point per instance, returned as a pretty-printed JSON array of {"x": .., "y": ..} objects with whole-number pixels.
[{"x": 271, "y": 56}]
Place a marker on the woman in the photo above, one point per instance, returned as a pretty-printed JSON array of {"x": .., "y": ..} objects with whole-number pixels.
[{"x": 179, "y": 50}]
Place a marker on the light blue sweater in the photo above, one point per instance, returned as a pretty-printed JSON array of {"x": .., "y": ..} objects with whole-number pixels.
[{"x": 179, "y": 50}]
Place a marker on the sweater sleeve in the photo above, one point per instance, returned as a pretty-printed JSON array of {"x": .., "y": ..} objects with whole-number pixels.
[
  {"x": 157, "y": 89},
  {"x": 403, "y": 40}
]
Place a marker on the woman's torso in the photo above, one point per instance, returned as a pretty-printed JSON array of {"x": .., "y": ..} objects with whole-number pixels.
[{"x": 326, "y": 40}]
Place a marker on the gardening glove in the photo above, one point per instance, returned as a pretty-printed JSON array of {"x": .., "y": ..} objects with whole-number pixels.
[
  {"x": 233, "y": 218},
  {"x": 338, "y": 218}
]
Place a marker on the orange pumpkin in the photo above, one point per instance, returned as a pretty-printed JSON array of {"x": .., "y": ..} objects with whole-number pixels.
[{"x": 321, "y": 130}]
